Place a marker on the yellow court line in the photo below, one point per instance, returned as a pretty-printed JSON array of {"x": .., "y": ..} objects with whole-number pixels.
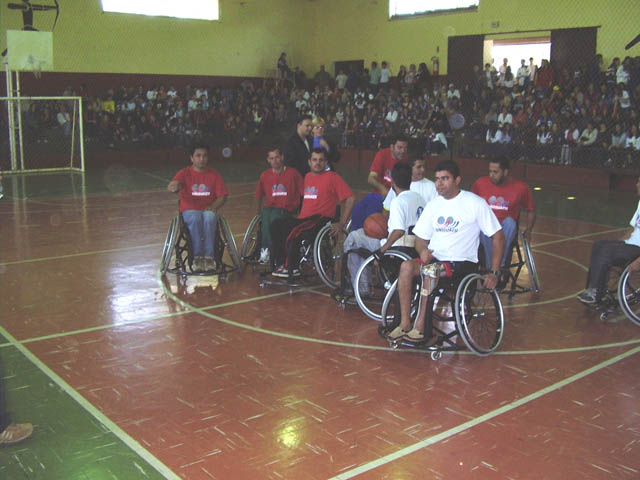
[{"x": 568, "y": 239}]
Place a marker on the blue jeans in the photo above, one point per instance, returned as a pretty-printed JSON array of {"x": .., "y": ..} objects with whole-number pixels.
[
  {"x": 202, "y": 225},
  {"x": 510, "y": 229}
]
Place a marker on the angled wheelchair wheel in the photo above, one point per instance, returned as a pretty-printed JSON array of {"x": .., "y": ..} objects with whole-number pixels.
[
  {"x": 629, "y": 295},
  {"x": 250, "y": 249},
  {"x": 169, "y": 244},
  {"x": 327, "y": 253},
  {"x": 479, "y": 315},
  {"x": 531, "y": 264},
  {"x": 390, "y": 311},
  {"x": 229, "y": 241},
  {"x": 373, "y": 280}
]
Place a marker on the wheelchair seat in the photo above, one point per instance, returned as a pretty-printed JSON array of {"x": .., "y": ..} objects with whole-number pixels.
[
  {"x": 178, "y": 247},
  {"x": 475, "y": 311}
]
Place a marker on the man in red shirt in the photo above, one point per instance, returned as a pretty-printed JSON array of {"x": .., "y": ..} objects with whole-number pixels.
[
  {"x": 507, "y": 197},
  {"x": 202, "y": 193},
  {"x": 380, "y": 179},
  {"x": 323, "y": 190},
  {"x": 278, "y": 192}
]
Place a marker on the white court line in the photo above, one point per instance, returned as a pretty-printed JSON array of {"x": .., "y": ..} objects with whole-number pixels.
[
  {"x": 481, "y": 419},
  {"x": 93, "y": 411}
]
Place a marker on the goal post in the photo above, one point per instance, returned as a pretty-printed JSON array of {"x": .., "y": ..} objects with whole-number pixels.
[{"x": 41, "y": 134}]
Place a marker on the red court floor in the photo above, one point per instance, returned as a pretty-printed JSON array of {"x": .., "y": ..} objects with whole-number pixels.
[{"x": 223, "y": 379}]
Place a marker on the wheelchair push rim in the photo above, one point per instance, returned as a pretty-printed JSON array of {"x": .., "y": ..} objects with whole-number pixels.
[
  {"x": 326, "y": 257},
  {"x": 167, "y": 248},
  {"x": 229, "y": 241},
  {"x": 531, "y": 264},
  {"x": 629, "y": 295},
  {"x": 251, "y": 240}
]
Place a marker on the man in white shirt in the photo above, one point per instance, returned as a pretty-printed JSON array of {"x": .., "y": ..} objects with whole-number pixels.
[
  {"x": 607, "y": 253},
  {"x": 404, "y": 211},
  {"x": 448, "y": 231}
]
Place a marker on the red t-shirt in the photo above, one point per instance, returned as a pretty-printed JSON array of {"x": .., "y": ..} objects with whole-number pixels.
[
  {"x": 198, "y": 190},
  {"x": 322, "y": 193},
  {"x": 281, "y": 190},
  {"x": 383, "y": 164},
  {"x": 507, "y": 199}
]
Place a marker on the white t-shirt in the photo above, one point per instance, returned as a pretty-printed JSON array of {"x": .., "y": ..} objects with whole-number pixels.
[
  {"x": 453, "y": 226},
  {"x": 634, "y": 239},
  {"x": 404, "y": 213},
  {"x": 425, "y": 187}
]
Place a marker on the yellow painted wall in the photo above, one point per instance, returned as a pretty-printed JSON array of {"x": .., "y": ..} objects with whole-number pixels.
[
  {"x": 246, "y": 42},
  {"x": 360, "y": 29},
  {"x": 252, "y": 33}
]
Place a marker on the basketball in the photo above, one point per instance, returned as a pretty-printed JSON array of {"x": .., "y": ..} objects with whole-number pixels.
[{"x": 375, "y": 226}]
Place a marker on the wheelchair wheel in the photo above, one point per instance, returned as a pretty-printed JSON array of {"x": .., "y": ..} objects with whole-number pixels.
[
  {"x": 373, "y": 280},
  {"x": 169, "y": 244},
  {"x": 251, "y": 241},
  {"x": 327, "y": 253},
  {"x": 479, "y": 315},
  {"x": 629, "y": 295},
  {"x": 531, "y": 264},
  {"x": 229, "y": 241},
  {"x": 390, "y": 311}
]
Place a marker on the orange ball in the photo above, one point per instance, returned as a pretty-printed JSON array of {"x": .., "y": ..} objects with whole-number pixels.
[{"x": 375, "y": 226}]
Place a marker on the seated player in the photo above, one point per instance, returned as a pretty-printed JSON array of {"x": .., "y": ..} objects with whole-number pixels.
[
  {"x": 447, "y": 231},
  {"x": 323, "y": 191},
  {"x": 607, "y": 253},
  {"x": 380, "y": 179},
  {"x": 507, "y": 197},
  {"x": 404, "y": 211},
  {"x": 202, "y": 193},
  {"x": 278, "y": 192},
  {"x": 422, "y": 186}
]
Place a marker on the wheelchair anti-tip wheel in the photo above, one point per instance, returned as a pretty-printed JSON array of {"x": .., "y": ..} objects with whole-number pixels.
[
  {"x": 373, "y": 280},
  {"x": 629, "y": 295},
  {"x": 479, "y": 315},
  {"x": 250, "y": 250}
]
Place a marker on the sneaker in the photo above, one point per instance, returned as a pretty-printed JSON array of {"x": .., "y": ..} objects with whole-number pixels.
[
  {"x": 396, "y": 333},
  {"x": 16, "y": 432},
  {"x": 280, "y": 272},
  {"x": 264, "y": 256},
  {"x": 414, "y": 335},
  {"x": 209, "y": 263},
  {"x": 587, "y": 296}
]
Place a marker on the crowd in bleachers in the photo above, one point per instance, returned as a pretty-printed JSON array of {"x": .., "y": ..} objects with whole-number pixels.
[{"x": 588, "y": 116}]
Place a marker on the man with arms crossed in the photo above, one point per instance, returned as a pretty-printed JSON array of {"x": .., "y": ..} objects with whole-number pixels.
[
  {"x": 447, "y": 231},
  {"x": 202, "y": 193}
]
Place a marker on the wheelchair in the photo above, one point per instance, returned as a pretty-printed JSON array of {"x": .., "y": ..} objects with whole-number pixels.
[
  {"x": 319, "y": 253},
  {"x": 475, "y": 311},
  {"x": 629, "y": 295},
  {"x": 179, "y": 248}
]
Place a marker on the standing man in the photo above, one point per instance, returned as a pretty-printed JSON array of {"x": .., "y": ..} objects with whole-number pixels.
[
  {"x": 323, "y": 191},
  {"x": 507, "y": 197},
  {"x": 374, "y": 77},
  {"x": 297, "y": 148},
  {"x": 447, "y": 231},
  {"x": 278, "y": 193},
  {"x": 202, "y": 193}
]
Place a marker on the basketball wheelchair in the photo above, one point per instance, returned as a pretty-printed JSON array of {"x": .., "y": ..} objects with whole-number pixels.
[
  {"x": 622, "y": 294},
  {"x": 319, "y": 254},
  {"x": 451, "y": 298},
  {"x": 179, "y": 248}
]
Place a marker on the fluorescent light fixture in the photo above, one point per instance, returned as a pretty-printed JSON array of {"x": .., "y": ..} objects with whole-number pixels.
[
  {"x": 415, "y": 7},
  {"x": 197, "y": 9},
  {"x": 537, "y": 188},
  {"x": 571, "y": 198}
]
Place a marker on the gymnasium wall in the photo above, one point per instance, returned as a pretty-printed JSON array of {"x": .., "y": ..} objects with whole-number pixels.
[
  {"x": 361, "y": 29},
  {"x": 245, "y": 42}
]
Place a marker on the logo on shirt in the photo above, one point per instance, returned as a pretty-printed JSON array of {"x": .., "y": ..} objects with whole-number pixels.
[
  {"x": 311, "y": 192},
  {"x": 387, "y": 175},
  {"x": 200, "y": 190},
  {"x": 278, "y": 190},
  {"x": 447, "y": 224},
  {"x": 498, "y": 203}
]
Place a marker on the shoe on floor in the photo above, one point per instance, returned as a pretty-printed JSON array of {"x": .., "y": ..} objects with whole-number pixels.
[
  {"x": 209, "y": 263},
  {"x": 16, "y": 432},
  {"x": 587, "y": 296},
  {"x": 281, "y": 272},
  {"x": 198, "y": 264},
  {"x": 414, "y": 335},
  {"x": 396, "y": 333}
]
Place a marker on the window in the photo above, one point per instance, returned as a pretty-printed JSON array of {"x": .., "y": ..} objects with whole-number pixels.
[
  {"x": 403, "y": 8},
  {"x": 198, "y": 9}
]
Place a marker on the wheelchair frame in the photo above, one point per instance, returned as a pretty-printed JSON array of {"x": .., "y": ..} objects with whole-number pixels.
[
  {"x": 178, "y": 245},
  {"x": 464, "y": 308}
]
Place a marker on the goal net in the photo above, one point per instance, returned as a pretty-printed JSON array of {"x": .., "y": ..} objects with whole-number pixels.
[{"x": 39, "y": 134}]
